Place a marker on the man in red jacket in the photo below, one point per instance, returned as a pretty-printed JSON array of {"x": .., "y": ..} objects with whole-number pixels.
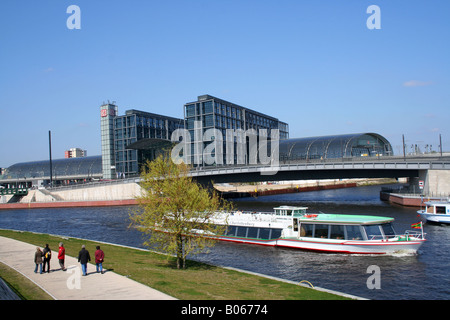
[
  {"x": 99, "y": 256},
  {"x": 61, "y": 256}
]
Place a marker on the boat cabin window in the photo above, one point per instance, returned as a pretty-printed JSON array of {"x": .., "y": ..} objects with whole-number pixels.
[
  {"x": 373, "y": 232},
  {"x": 337, "y": 232},
  {"x": 388, "y": 229},
  {"x": 353, "y": 233},
  {"x": 321, "y": 231},
  {"x": 349, "y": 232},
  {"x": 264, "y": 233},
  {"x": 295, "y": 222},
  {"x": 253, "y": 232},
  {"x": 306, "y": 230},
  {"x": 241, "y": 232},
  {"x": 440, "y": 210},
  {"x": 378, "y": 231},
  {"x": 289, "y": 211}
]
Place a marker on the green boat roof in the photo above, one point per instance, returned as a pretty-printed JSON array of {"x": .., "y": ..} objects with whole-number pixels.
[{"x": 344, "y": 218}]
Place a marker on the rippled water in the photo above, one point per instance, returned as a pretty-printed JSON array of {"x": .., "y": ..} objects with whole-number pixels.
[{"x": 421, "y": 276}]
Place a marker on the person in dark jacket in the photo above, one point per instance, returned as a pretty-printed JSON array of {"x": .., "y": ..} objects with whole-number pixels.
[
  {"x": 84, "y": 258},
  {"x": 47, "y": 256}
]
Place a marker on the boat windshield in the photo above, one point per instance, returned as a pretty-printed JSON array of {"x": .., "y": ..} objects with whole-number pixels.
[{"x": 379, "y": 231}]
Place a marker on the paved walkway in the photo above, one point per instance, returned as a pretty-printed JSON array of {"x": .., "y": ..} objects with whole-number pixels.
[{"x": 70, "y": 285}]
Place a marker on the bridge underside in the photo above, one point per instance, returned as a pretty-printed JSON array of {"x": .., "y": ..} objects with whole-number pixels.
[{"x": 306, "y": 175}]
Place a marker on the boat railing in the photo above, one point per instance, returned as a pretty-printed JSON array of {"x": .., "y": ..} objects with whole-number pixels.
[
  {"x": 415, "y": 234},
  {"x": 375, "y": 237},
  {"x": 408, "y": 234}
]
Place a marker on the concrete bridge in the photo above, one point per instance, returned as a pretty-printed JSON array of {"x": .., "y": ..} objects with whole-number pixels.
[{"x": 434, "y": 171}]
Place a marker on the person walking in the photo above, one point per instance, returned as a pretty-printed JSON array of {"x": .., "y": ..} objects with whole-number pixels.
[
  {"x": 84, "y": 258},
  {"x": 61, "y": 256},
  {"x": 47, "y": 256},
  {"x": 99, "y": 256},
  {"x": 38, "y": 260}
]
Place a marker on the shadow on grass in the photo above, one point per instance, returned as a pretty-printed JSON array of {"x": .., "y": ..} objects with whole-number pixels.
[{"x": 191, "y": 265}]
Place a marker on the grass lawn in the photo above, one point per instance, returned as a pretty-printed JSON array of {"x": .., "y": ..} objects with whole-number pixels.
[{"x": 198, "y": 282}]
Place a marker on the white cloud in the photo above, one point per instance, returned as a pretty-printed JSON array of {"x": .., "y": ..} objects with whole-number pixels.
[{"x": 416, "y": 83}]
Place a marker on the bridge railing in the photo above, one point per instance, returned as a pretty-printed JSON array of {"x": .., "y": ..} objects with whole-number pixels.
[{"x": 424, "y": 159}]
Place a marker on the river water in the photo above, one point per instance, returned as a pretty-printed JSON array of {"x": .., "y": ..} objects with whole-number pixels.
[{"x": 421, "y": 276}]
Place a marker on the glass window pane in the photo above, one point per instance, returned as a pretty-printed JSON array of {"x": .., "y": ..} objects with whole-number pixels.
[
  {"x": 231, "y": 231},
  {"x": 321, "y": 231},
  {"x": 241, "y": 232},
  {"x": 252, "y": 232},
  {"x": 276, "y": 233},
  {"x": 388, "y": 230},
  {"x": 337, "y": 232},
  {"x": 264, "y": 233},
  {"x": 373, "y": 231},
  {"x": 306, "y": 230},
  {"x": 353, "y": 233}
]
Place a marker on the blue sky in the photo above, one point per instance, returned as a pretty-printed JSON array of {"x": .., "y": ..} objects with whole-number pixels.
[{"x": 311, "y": 63}]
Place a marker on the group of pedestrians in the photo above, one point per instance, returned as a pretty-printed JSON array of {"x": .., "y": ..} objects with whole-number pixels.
[{"x": 42, "y": 259}]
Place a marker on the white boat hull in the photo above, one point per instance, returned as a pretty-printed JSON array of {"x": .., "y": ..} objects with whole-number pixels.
[
  {"x": 338, "y": 246},
  {"x": 433, "y": 217}
]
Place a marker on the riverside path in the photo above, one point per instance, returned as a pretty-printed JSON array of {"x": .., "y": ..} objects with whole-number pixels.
[{"x": 70, "y": 285}]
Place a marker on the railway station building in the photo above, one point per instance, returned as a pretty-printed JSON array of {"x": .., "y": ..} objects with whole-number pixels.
[{"x": 129, "y": 140}]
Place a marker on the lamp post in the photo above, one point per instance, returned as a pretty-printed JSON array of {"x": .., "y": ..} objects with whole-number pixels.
[{"x": 50, "y": 153}]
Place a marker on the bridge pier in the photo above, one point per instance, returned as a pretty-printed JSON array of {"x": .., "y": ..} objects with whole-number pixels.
[{"x": 436, "y": 182}]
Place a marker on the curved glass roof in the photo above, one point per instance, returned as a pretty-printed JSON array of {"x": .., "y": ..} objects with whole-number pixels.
[
  {"x": 339, "y": 146},
  {"x": 62, "y": 168}
]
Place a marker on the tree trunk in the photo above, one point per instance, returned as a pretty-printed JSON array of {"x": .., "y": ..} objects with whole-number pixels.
[{"x": 180, "y": 258}]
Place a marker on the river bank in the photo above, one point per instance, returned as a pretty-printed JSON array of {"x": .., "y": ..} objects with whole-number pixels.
[
  {"x": 199, "y": 281},
  {"x": 124, "y": 194}
]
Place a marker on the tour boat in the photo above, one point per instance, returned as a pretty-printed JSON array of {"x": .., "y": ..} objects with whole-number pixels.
[
  {"x": 436, "y": 211},
  {"x": 292, "y": 227}
]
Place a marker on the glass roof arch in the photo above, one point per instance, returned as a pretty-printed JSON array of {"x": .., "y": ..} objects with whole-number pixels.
[{"x": 333, "y": 147}]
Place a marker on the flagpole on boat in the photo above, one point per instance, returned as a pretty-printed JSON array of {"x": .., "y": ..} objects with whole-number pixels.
[{"x": 421, "y": 227}]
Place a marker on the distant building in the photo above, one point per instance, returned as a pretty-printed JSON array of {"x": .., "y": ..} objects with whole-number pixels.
[{"x": 75, "y": 153}]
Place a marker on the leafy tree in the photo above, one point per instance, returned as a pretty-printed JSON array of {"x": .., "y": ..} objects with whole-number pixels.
[{"x": 172, "y": 205}]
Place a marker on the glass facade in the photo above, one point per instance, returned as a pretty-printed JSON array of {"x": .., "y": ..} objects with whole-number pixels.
[
  {"x": 212, "y": 112},
  {"x": 331, "y": 147},
  {"x": 135, "y": 126},
  {"x": 107, "y": 114}
]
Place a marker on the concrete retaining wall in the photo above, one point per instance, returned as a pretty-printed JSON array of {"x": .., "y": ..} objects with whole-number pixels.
[
  {"x": 116, "y": 192},
  {"x": 108, "y": 192}
]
